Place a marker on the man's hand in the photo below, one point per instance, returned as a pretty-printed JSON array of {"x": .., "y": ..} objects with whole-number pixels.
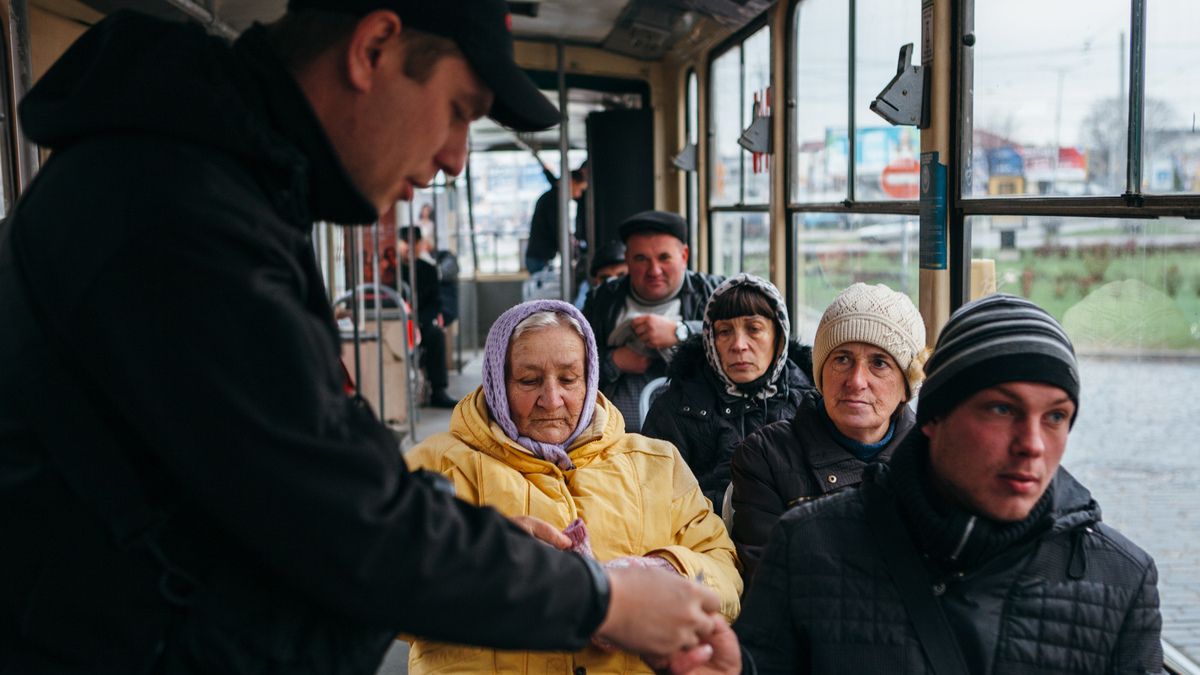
[
  {"x": 629, "y": 361},
  {"x": 656, "y": 332},
  {"x": 719, "y": 655},
  {"x": 540, "y": 529},
  {"x": 657, "y": 615}
]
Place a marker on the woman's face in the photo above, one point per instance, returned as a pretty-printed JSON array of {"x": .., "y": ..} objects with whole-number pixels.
[
  {"x": 546, "y": 383},
  {"x": 862, "y": 386},
  {"x": 746, "y": 345}
]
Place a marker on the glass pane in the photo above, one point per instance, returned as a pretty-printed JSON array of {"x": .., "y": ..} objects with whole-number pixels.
[
  {"x": 692, "y": 177},
  {"x": 820, "y": 87},
  {"x": 741, "y": 243},
  {"x": 726, "y": 125},
  {"x": 838, "y": 249},
  {"x": 885, "y": 157},
  {"x": 757, "y": 50},
  {"x": 1128, "y": 293},
  {"x": 507, "y": 185},
  {"x": 1172, "y": 139},
  {"x": 1050, "y": 106}
]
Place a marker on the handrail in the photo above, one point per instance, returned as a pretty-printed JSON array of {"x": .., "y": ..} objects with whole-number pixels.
[{"x": 1177, "y": 663}]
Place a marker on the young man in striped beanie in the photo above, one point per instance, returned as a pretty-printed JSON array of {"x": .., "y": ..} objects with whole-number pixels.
[{"x": 974, "y": 552}]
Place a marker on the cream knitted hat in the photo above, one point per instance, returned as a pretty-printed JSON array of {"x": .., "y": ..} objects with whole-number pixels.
[{"x": 878, "y": 316}]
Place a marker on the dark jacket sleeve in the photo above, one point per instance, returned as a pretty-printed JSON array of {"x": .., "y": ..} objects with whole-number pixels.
[
  {"x": 757, "y": 505},
  {"x": 765, "y": 627},
  {"x": 1139, "y": 644},
  {"x": 198, "y": 327}
]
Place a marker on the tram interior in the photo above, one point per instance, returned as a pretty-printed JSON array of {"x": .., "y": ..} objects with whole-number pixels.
[{"x": 1043, "y": 198}]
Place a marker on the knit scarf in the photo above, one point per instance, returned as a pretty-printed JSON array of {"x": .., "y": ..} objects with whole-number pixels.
[
  {"x": 495, "y": 359},
  {"x": 952, "y": 537}
]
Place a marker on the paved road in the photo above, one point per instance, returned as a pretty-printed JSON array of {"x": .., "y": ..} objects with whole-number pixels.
[{"x": 1136, "y": 445}]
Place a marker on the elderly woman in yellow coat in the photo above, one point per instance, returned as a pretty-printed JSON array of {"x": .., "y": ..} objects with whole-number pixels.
[{"x": 538, "y": 440}]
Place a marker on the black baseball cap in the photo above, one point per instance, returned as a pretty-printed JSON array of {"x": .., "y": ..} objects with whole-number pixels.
[
  {"x": 611, "y": 253},
  {"x": 660, "y": 222},
  {"x": 482, "y": 29}
]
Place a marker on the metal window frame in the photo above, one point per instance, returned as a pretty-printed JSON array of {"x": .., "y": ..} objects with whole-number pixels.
[
  {"x": 1132, "y": 204},
  {"x": 850, "y": 205}
]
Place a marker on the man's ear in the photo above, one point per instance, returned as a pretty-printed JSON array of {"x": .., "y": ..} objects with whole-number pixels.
[
  {"x": 686, "y": 252},
  {"x": 373, "y": 37},
  {"x": 930, "y": 428}
]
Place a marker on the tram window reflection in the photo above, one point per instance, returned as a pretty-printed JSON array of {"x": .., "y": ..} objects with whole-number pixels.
[
  {"x": 1172, "y": 143},
  {"x": 820, "y": 86}
]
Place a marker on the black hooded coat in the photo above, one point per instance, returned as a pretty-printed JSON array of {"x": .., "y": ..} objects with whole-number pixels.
[
  {"x": 168, "y": 349},
  {"x": 707, "y": 423}
]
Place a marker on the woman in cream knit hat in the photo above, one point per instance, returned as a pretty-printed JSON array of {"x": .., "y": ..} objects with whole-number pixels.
[{"x": 867, "y": 364}]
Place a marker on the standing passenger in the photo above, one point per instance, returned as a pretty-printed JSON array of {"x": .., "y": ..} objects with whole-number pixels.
[
  {"x": 867, "y": 360},
  {"x": 973, "y": 551},
  {"x": 739, "y": 375},
  {"x": 184, "y": 486},
  {"x": 642, "y": 317}
]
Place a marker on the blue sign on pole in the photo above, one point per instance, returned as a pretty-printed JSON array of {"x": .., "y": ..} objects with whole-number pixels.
[{"x": 933, "y": 212}]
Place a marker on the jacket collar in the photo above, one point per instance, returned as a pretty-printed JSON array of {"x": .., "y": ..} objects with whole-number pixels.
[
  {"x": 331, "y": 194},
  {"x": 807, "y": 423},
  {"x": 472, "y": 424}
]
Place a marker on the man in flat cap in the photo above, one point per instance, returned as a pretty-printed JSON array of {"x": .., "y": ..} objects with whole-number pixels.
[
  {"x": 184, "y": 485},
  {"x": 975, "y": 552},
  {"x": 640, "y": 319}
]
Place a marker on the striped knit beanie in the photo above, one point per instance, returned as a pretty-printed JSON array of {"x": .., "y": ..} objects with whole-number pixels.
[
  {"x": 995, "y": 339},
  {"x": 874, "y": 315}
]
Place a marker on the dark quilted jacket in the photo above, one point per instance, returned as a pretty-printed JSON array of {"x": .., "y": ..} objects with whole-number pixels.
[
  {"x": 1078, "y": 597},
  {"x": 706, "y": 422},
  {"x": 790, "y": 462}
]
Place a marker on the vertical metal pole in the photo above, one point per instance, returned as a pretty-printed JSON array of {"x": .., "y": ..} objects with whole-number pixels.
[
  {"x": 355, "y": 309},
  {"x": 851, "y": 140},
  {"x": 378, "y": 286},
  {"x": 564, "y": 181},
  {"x": 1137, "y": 97},
  {"x": 471, "y": 220},
  {"x": 20, "y": 56},
  {"x": 414, "y": 318}
]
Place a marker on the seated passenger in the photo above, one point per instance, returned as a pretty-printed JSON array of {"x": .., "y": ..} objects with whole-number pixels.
[
  {"x": 974, "y": 551},
  {"x": 740, "y": 374},
  {"x": 867, "y": 359},
  {"x": 537, "y": 440},
  {"x": 608, "y": 262}
]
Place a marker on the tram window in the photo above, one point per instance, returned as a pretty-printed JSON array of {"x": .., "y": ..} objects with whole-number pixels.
[
  {"x": 692, "y": 121},
  {"x": 1128, "y": 293},
  {"x": 838, "y": 249},
  {"x": 726, "y": 174},
  {"x": 1172, "y": 145},
  {"x": 756, "y": 77},
  {"x": 738, "y": 75},
  {"x": 741, "y": 242},
  {"x": 1051, "y": 97},
  {"x": 820, "y": 86},
  {"x": 885, "y": 156}
]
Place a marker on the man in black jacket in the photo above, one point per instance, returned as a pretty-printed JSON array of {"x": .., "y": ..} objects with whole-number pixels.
[
  {"x": 184, "y": 486},
  {"x": 975, "y": 552},
  {"x": 543, "y": 225},
  {"x": 428, "y": 292},
  {"x": 641, "y": 317}
]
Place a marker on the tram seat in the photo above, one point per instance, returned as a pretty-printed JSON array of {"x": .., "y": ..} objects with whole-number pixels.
[
  {"x": 649, "y": 393},
  {"x": 542, "y": 285},
  {"x": 399, "y": 383},
  {"x": 727, "y": 509}
]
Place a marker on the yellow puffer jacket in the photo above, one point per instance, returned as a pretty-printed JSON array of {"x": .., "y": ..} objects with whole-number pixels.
[{"x": 636, "y": 495}]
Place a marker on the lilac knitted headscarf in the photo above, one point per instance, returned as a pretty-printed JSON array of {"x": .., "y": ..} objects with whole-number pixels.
[{"x": 495, "y": 356}]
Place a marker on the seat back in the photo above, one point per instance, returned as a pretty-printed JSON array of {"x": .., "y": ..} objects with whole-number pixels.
[{"x": 649, "y": 393}]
